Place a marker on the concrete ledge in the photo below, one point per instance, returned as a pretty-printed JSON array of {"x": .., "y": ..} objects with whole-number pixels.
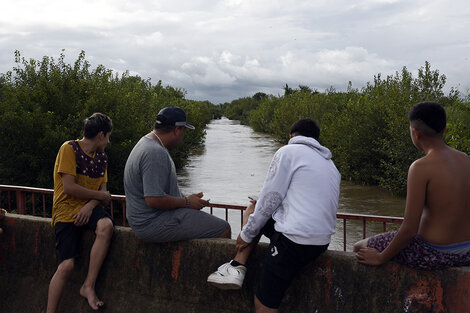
[{"x": 171, "y": 277}]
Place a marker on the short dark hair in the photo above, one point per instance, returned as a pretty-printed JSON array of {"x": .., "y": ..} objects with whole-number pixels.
[
  {"x": 428, "y": 117},
  {"x": 305, "y": 127},
  {"x": 164, "y": 129},
  {"x": 97, "y": 122}
]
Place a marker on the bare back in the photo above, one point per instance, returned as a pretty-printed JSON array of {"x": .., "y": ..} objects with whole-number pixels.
[{"x": 446, "y": 215}]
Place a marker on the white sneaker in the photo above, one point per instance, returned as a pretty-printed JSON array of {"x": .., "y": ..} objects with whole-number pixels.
[{"x": 228, "y": 276}]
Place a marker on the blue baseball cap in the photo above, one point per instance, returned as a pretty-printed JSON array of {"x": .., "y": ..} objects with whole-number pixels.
[{"x": 172, "y": 116}]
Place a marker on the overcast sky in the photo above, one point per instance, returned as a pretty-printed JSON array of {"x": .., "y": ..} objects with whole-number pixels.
[{"x": 223, "y": 50}]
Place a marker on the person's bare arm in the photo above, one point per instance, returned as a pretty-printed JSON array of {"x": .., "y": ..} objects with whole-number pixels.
[
  {"x": 75, "y": 190},
  {"x": 169, "y": 203},
  {"x": 415, "y": 201},
  {"x": 83, "y": 215}
]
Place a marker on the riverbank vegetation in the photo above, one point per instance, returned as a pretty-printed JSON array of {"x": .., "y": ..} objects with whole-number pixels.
[
  {"x": 43, "y": 103},
  {"x": 367, "y": 129}
]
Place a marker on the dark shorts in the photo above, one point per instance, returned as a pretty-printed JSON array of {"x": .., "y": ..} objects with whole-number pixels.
[
  {"x": 419, "y": 254},
  {"x": 68, "y": 235},
  {"x": 281, "y": 264}
]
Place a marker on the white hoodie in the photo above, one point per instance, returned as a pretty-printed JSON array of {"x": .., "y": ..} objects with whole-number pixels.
[{"x": 301, "y": 194}]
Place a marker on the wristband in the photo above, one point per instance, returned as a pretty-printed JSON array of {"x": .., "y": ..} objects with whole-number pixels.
[{"x": 188, "y": 204}]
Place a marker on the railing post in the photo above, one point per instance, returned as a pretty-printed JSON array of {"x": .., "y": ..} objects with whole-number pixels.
[
  {"x": 32, "y": 204},
  {"x": 9, "y": 201},
  {"x": 112, "y": 208},
  {"x": 43, "y": 205},
  {"x": 124, "y": 213},
  {"x": 363, "y": 228},
  {"x": 21, "y": 202}
]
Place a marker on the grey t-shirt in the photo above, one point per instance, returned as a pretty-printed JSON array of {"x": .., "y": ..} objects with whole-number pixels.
[{"x": 149, "y": 171}]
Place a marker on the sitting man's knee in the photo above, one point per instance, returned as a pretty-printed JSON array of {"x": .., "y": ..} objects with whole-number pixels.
[
  {"x": 227, "y": 232},
  {"x": 360, "y": 244}
]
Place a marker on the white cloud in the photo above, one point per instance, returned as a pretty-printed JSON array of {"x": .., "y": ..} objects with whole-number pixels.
[
  {"x": 151, "y": 39},
  {"x": 222, "y": 50}
]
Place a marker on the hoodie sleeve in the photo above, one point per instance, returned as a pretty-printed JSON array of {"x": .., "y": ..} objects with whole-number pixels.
[{"x": 271, "y": 196}]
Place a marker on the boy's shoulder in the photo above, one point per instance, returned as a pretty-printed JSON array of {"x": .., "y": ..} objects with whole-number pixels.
[
  {"x": 443, "y": 161},
  {"x": 424, "y": 166},
  {"x": 68, "y": 145}
]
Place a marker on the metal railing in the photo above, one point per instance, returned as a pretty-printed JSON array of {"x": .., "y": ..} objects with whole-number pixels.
[{"x": 38, "y": 202}]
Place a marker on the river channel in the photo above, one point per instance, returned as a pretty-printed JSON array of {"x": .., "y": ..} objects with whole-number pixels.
[{"x": 232, "y": 164}]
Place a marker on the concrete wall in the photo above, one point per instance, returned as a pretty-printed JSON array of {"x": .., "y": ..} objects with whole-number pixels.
[{"x": 144, "y": 277}]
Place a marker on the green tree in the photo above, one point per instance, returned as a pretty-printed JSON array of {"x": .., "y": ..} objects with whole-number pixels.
[
  {"x": 43, "y": 103},
  {"x": 368, "y": 129}
]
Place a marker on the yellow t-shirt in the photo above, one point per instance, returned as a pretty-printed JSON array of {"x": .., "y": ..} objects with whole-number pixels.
[{"x": 89, "y": 171}]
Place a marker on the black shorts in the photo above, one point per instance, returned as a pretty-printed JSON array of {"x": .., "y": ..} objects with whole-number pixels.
[
  {"x": 283, "y": 261},
  {"x": 68, "y": 236}
]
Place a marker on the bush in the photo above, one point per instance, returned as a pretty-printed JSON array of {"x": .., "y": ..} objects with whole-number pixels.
[
  {"x": 43, "y": 104},
  {"x": 367, "y": 130}
]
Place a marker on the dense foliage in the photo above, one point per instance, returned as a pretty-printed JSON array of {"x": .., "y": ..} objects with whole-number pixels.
[
  {"x": 43, "y": 103},
  {"x": 367, "y": 130}
]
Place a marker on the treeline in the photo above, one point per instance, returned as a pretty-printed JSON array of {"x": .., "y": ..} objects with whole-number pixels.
[
  {"x": 44, "y": 102},
  {"x": 367, "y": 129}
]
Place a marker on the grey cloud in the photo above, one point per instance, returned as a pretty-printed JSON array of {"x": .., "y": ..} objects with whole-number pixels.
[{"x": 223, "y": 50}]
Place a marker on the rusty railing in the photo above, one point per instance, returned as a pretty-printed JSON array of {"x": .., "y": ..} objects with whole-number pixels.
[{"x": 38, "y": 202}]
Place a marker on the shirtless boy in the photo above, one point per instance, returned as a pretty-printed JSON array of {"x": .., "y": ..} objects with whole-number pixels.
[
  {"x": 80, "y": 175},
  {"x": 435, "y": 233}
]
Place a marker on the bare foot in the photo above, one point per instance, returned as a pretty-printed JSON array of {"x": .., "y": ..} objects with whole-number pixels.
[{"x": 90, "y": 295}]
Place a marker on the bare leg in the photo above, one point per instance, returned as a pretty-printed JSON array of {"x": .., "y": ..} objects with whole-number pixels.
[
  {"x": 260, "y": 308},
  {"x": 360, "y": 244},
  {"x": 104, "y": 232},
  {"x": 58, "y": 282}
]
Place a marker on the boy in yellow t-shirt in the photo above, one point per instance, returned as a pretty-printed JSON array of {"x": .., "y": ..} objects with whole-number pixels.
[{"x": 80, "y": 176}]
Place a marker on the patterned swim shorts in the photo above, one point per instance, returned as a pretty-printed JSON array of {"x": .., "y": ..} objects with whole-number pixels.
[{"x": 419, "y": 255}]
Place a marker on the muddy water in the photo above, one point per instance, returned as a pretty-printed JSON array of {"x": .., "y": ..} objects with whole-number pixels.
[{"x": 232, "y": 165}]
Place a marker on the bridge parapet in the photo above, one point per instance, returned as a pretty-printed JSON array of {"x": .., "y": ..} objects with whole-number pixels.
[{"x": 171, "y": 277}]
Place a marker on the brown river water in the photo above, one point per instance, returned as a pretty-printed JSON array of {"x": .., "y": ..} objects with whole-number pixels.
[{"x": 232, "y": 165}]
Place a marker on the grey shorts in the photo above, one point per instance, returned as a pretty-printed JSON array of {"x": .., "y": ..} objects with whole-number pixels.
[{"x": 182, "y": 224}]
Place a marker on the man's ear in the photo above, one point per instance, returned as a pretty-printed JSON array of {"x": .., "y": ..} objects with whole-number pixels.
[{"x": 416, "y": 133}]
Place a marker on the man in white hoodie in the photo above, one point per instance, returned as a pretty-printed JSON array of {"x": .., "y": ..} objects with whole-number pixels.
[{"x": 296, "y": 209}]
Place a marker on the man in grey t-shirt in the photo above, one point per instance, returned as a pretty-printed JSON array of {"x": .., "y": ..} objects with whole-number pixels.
[{"x": 156, "y": 209}]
